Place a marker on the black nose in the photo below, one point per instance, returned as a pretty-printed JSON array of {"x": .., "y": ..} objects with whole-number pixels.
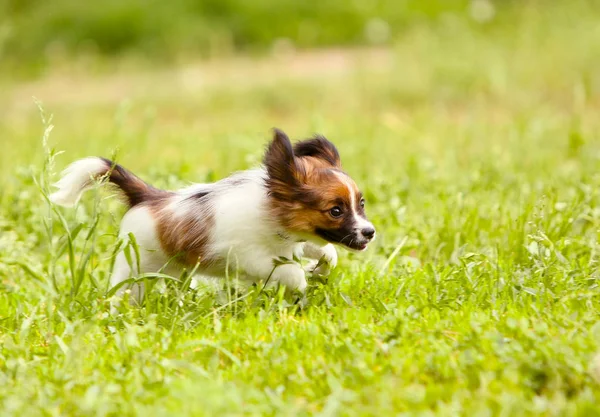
[{"x": 368, "y": 232}]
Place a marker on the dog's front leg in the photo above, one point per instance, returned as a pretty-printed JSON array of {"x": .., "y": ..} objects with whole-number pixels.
[
  {"x": 325, "y": 258},
  {"x": 264, "y": 268}
]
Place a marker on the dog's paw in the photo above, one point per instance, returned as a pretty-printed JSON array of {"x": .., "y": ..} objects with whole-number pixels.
[
  {"x": 329, "y": 255},
  {"x": 327, "y": 261},
  {"x": 290, "y": 275}
]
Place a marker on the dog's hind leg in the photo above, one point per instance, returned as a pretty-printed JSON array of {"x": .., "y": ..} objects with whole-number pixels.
[
  {"x": 145, "y": 254},
  {"x": 121, "y": 272}
]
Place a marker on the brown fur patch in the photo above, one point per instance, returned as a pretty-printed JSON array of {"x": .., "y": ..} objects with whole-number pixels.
[{"x": 185, "y": 236}]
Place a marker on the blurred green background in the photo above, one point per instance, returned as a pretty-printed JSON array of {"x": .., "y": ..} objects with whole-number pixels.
[{"x": 35, "y": 34}]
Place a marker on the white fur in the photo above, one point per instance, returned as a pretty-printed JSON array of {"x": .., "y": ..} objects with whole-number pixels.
[{"x": 76, "y": 178}]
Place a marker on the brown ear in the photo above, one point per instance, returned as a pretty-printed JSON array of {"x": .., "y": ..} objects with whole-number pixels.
[
  {"x": 279, "y": 160},
  {"x": 319, "y": 147}
]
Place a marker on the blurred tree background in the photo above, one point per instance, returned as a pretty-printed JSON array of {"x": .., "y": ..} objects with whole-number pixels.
[{"x": 36, "y": 34}]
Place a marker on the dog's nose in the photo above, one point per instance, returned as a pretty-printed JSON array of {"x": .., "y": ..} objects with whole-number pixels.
[{"x": 368, "y": 232}]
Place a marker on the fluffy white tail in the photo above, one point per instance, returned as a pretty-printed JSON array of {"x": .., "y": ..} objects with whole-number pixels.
[
  {"x": 81, "y": 175},
  {"x": 77, "y": 178}
]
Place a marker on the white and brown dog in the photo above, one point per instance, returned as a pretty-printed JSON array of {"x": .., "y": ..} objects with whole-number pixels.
[{"x": 296, "y": 205}]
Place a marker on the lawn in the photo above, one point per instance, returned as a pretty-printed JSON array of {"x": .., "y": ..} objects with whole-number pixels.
[{"x": 478, "y": 152}]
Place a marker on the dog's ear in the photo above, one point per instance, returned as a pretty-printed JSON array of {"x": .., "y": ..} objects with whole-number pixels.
[
  {"x": 279, "y": 160},
  {"x": 319, "y": 147}
]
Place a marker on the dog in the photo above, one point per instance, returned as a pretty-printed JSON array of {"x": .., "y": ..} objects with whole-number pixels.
[{"x": 298, "y": 204}]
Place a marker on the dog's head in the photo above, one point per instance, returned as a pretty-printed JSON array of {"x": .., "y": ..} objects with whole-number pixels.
[{"x": 311, "y": 195}]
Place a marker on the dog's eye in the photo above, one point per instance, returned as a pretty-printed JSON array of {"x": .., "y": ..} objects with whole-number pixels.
[
  {"x": 362, "y": 202},
  {"x": 335, "y": 212}
]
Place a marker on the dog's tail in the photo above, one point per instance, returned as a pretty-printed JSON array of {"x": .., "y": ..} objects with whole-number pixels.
[{"x": 81, "y": 175}]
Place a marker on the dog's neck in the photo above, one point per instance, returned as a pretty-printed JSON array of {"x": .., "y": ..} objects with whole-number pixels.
[{"x": 285, "y": 236}]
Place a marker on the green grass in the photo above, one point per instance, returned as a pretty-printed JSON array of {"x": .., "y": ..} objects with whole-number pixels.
[{"x": 478, "y": 153}]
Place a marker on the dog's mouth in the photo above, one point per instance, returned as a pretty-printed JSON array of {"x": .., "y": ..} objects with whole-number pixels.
[
  {"x": 351, "y": 240},
  {"x": 359, "y": 246}
]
